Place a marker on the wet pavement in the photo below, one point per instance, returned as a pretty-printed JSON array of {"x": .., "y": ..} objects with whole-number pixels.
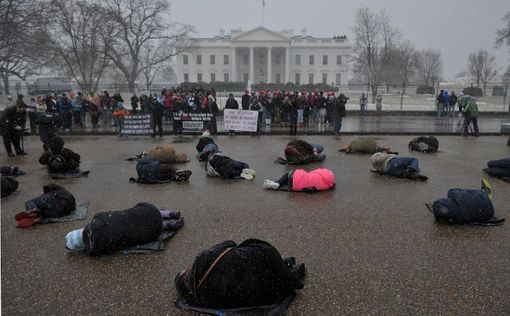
[{"x": 370, "y": 246}]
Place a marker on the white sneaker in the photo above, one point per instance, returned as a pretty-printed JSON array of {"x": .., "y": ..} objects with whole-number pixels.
[
  {"x": 270, "y": 184},
  {"x": 250, "y": 171},
  {"x": 247, "y": 176}
]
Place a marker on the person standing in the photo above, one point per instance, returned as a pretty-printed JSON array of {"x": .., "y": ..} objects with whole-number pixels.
[
  {"x": 452, "y": 102},
  {"x": 245, "y": 100},
  {"x": 156, "y": 117},
  {"x": 378, "y": 105},
  {"x": 12, "y": 123},
  {"x": 134, "y": 103},
  {"x": 32, "y": 110},
  {"x": 293, "y": 114},
  {"x": 363, "y": 104},
  {"x": 470, "y": 115},
  {"x": 232, "y": 105},
  {"x": 440, "y": 103},
  {"x": 446, "y": 102},
  {"x": 212, "y": 108},
  {"x": 339, "y": 112}
]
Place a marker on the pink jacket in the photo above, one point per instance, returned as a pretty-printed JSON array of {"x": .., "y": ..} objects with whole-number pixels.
[{"x": 321, "y": 179}]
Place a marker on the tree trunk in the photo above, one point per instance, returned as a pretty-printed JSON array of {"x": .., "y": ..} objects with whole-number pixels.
[
  {"x": 5, "y": 79},
  {"x": 484, "y": 87},
  {"x": 131, "y": 85}
]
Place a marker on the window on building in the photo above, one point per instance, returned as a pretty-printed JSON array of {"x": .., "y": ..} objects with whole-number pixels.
[
  {"x": 324, "y": 59},
  {"x": 185, "y": 59},
  {"x": 297, "y": 78},
  {"x": 338, "y": 79},
  {"x": 246, "y": 59},
  {"x": 277, "y": 59},
  {"x": 199, "y": 59},
  {"x": 338, "y": 59},
  {"x": 325, "y": 78},
  {"x": 277, "y": 77},
  {"x": 298, "y": 59},
  {"x": 225, "y": 77},
  {"x": 310, "y": 78},
  {"x": 245, "y": 77},
  {"x": 199, "y": 76},
  {"x": 225, "y": 59},
  {"x": 186, "y": 77},
  {"x": 212, "y": 59},
  {"x": 311, "y": 59},
  {"x": 213, "y": 77}
]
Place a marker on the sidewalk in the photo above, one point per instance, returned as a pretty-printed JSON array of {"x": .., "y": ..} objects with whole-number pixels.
[{"x": 406, "y": 123}]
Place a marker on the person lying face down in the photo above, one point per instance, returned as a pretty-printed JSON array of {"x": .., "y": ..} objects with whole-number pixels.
[
  {"x": 8, "y": 186},
  {"x": 166, "y": 154},
  {"x": 59, "y": 159},
  {"x": 219, "y": 165},
  {"x": 250, "y": 274},
  {"x": 55, "y": 201},
  {"x": 424, "y": 144},
  {"x": 300, "y": 180},
  {"x": 152, "y": 171},
  {"x": 10, "y": 171},
  {"x": 363, "y": 146},
  {"x": 206, "y": 147},
  {"x": 499, "y": 169},
  {"x": 465, "y": 206},
  {"x": 113, "y": 231},
  {"x": 395, "y": 166},
  {"x": 299, "y": 152}
]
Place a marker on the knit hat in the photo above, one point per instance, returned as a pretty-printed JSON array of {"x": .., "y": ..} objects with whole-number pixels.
[{"x": 74, "y": 239}]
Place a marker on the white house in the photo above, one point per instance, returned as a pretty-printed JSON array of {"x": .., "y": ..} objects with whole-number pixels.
[{"x": 264, "y": 56}]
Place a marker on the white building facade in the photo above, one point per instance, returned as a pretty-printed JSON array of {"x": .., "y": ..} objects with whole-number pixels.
[{"x": 264, "y": 56}]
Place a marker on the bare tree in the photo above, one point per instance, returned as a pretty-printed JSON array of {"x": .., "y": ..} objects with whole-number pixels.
[
  {"x": 430, "y": 66},
  {"x": 81, "y": 40},
  {"x": 375, "y": 40},
  {"x": 23, "y": 38},
  {"x": 482, "y": 67},
  {"x": 408, "y": 61},
  {"x": 143, "y": 23},
  {"x": 503, "y": 34},
  {"x": 475, "y": 66}
]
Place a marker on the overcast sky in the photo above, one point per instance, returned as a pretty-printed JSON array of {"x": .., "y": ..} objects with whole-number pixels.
[{"x": 455, "y": 27}]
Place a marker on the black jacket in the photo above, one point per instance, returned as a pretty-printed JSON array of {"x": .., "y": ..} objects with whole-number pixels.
[
  {"x": 60, "y": 161},
  {"x": 250, "y": 274},
  {"x": 110, "y": 232},
  {"x": 245, "y": 101},
  {"x": 11, "y": 118},
  {"x": 54, "y": 202},
  {"x": 8, "y": 186},
  {"x": 232, "y": 104}
]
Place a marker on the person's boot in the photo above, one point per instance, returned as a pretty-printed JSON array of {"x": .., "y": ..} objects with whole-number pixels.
[{"x": 10, "y": 155}]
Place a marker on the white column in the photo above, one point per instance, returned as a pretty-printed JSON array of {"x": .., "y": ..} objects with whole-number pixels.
[
  {"x": 233, "y": 60},
  {"x": 287, "y": 65},
  {"x": 252, "y": 67},
  {"x": 269, "y": 65}
]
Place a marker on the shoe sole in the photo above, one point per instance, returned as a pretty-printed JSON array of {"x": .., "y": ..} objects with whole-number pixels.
[{"x": 182, "y": 175}]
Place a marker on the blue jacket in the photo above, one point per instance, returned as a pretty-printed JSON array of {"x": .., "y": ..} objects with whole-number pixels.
[
  {"x": 463, "y": 206},
  {"x": 446, "y": 98},
  {"x": 147, "y": 169}
]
